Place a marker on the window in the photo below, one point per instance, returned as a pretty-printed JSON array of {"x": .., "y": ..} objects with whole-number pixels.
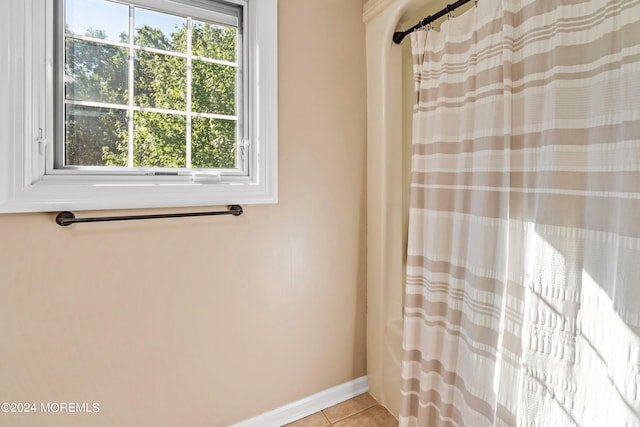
[
  {"x": 149, "y": 89},
  {"x": 140, "y": 103}
]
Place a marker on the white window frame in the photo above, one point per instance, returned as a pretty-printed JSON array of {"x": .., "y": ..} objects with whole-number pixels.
[{"x": 27, "y": 126}]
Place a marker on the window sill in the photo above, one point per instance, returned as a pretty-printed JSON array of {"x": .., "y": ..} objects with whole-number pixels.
[{"x": 46, "y": 196}]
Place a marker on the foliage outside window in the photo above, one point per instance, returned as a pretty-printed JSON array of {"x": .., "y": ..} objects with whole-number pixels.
[{"x": 148, "y": 89}]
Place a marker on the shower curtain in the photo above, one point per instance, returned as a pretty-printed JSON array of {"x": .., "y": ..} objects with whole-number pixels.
[{"x": 522, "y": 303}]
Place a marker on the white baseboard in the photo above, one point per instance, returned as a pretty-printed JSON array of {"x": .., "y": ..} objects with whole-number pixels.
[{"x": 308, "y": 405}]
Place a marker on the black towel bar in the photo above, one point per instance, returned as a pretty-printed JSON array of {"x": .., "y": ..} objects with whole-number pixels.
[{"x": 67, "y": 218}]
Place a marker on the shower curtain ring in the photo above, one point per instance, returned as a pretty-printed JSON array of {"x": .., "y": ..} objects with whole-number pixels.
[
  {"x": 424, "y": 24},
  {"x": 449, "y": 12}
]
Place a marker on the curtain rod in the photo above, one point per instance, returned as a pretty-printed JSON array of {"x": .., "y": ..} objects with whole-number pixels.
[
  {"x": 67, "y": 218},
  {"x": 398, "y": 36}
]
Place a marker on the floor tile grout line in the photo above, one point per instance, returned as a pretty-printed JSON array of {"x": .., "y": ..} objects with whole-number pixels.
[
  {"x": 332, "y": 422},
  {"x": 327, "y": 422},
  {"x": 346, "y": 418}
]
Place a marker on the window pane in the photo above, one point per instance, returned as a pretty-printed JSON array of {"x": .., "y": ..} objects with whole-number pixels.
[
  {"x": 160, "y": 140},
  {"x": 94, "y": 135},
  {"x": 160, "y": 81},
  {"x": 214, "y": 41},
  {"x": 95, "y": 72},
  {"x": 100, "y": 73},
  {"x": 214, "y": 88},
  {"x": 160, "y": 30},
  {"x": 97, "y": 18},
  {"x": 213, "y": 143}
]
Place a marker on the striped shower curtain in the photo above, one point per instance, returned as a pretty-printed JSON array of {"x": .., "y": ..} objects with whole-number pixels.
[{"x": 522, "y": 301}]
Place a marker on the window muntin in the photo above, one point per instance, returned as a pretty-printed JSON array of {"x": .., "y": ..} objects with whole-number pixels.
[{"x": 184, "y": 72}]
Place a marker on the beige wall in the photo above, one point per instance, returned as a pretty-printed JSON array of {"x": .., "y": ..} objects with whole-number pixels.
[{"x": 208, "y": 321}]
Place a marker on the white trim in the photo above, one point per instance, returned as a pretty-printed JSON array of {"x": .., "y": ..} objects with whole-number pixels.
[
  {"x": 309, "y": 405},
  {"x": 373, "y": 8}
]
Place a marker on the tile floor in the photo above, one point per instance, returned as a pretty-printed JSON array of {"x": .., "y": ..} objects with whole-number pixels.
[{"x": 361, "y": 411}]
